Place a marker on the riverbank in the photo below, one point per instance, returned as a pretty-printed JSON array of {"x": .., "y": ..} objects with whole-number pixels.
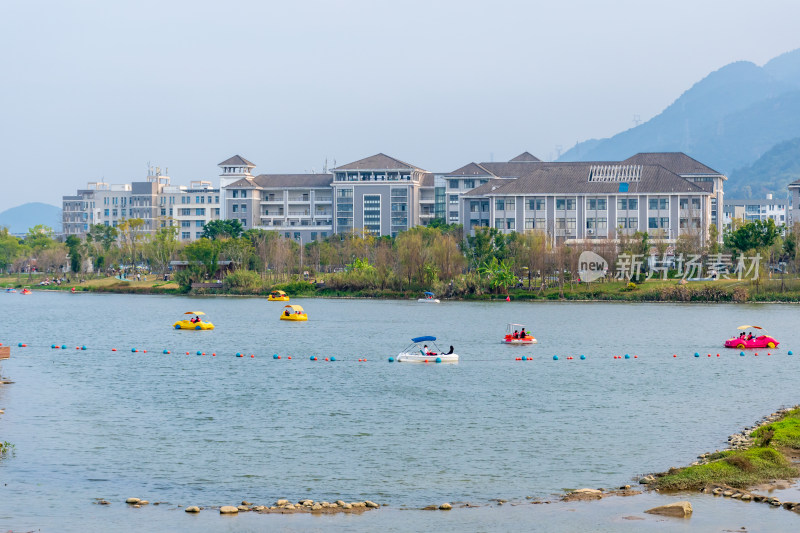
[
  {"x": 735, "y": 291},
  {"x": 762, "y": 457}
]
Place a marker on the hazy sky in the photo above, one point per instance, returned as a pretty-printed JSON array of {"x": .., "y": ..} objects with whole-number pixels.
[{"x": 94, "y": 90}]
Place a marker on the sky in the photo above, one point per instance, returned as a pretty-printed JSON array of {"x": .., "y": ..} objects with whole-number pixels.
[{"x": 94, "y": 90}]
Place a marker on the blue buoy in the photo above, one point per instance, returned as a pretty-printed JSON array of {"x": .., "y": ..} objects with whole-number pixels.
[
  {"x": 19, "y": 345},
  {"x": 275, "y": 356},
  {"x": 310, "y": 358},
  {"x": 199, "y": 352},
  {"x": 165, "y": 351},
  {"x": 83, "y": 347},
  {"x": 627, "y": 356},
  {"x": 555, "y": 358},
  {"x": 63, "y": 346},
  {"x": 524, "y": 358},
  {"x": 696, "y": 354},
  {"x": 438, "y": 359},
  {"x": 132, "y": 349},
  {"x": 790, "y": 352},
  {"x": 333, "y": 358},
  {"x": 238, "y": 354},
  {"x": 53, "y": 346},
  {"x": 583, "y": 357},
  {"x": 391, "y": 359},
  {"x": 741, "y": 353}
]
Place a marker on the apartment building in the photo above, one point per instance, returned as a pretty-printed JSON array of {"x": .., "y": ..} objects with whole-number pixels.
[
  {"x": 777, "y": 209},
  {"x": 577, "y": 202},
  {"x": 380, "y": 195},
  {"x": 158, "y": 203}
]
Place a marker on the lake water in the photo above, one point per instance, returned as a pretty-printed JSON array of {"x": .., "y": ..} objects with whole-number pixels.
[{"x": 215, "y": 430}]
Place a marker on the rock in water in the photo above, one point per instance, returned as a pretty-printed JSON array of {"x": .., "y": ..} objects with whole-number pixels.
[
  {"x": 680, "y": 509},
  {"x": 193, "y": 509},
  {"x": 445, "y": 507},
  {"x": 132, "y": 500},
  {"x": 228, "y": 509}
]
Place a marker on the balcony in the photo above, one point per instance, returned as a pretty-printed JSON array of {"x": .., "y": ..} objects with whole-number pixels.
[
  {"x": 298, "y": 199},
  {"x": 323, "y": 199}
]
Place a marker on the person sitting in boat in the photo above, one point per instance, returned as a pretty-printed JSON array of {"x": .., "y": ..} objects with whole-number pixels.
[
  {"x": 516, "y": 334},
  {"x": 451, "y": 350},
  {"x": 427, "y": 351},
  {"x": 198, "y": 319},
  {"x": 522, "y": 334},
  {"x": 287, "y": 312},
  {"x": 750, "y": 336}
]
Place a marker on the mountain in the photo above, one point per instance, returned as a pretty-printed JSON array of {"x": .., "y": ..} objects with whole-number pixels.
[
  {"x": 771, "y": 173},
  {"x": 727, "y": 120},
  {"x": 19, "y": 219}
]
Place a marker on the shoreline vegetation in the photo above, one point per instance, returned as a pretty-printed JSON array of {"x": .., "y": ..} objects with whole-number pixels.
[
  {"x": 332, "y": 286},
  {"x": 757, "y": 262},
  {"x": 758, "y": 458}
]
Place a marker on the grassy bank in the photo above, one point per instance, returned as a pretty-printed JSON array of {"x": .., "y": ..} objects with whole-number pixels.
[
  {"x": 651, "y": 291},
  {"x": 769, "y": 458}
]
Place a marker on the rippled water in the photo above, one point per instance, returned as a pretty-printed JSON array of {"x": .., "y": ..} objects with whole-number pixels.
[{"x": 213, "y": 430}]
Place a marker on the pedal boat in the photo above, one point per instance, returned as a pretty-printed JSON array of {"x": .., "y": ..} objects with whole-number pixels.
[
  {"x": 294, "y": 313},
  {"x": 188, "y": 324},
  {"x": 415, "y": 353},
  {"x": 277, "y": 296},
  {"x": 511, "y": 339},
  {"x": 762, "y": 341}
]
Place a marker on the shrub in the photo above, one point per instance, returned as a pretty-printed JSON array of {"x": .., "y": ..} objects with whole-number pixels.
[{"x": 243, "y": 281}]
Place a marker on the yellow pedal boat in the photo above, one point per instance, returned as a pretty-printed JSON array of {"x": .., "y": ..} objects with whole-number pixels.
[
  {"x": 196, "y": 322},
  {"x": 278, "y": 296},
  {"x": 294, "y": 312}
]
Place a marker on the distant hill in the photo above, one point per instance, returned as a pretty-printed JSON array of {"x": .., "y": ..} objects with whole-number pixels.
[
  {"x": 19, "y": 219},
  {"x": 727, "y": 120},
  {"x": 771, "y": 173}
]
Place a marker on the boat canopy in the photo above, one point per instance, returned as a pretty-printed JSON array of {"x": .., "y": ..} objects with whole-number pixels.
[
  {"x": 512, "y": 324},
  {"x": 428, "y": 293},
  {"x": 423, "y": 339},
  {"x": 295, "y": 308},
  {"x": 194, "y": 313},
  {"x": 279, "y": 293},
  {"x": 747, "y": 327}
]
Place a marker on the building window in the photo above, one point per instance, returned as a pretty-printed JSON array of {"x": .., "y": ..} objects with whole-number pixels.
[
  {"x": 243, "y": 208},
  {"x": 596, "y": 204},
  {"x": 244, "y": 194},
  {"x": 199, "y": 223},
  {"x": 658, "y": 203},
  {"x": 565, "y": 204},
  {"x": 474, "y": 207},
  {"x": 235, "y": 193},
  {"x": 244, "y": 222},
  {"x": 536, "y": 204},
  {"x": 200, "y": 212},
  {"x": 500, "y": 204},
  {"x": 344, "y": 210},
  {"x": 235, "y": 208},
  {"x": 186, "y": 223},
  {"x": 399, "y": 210},
  {"x": 469, "y": 184},
  {"x": 372, "y": 213},
  {"x": 696, "y": 203},
  {"x": 453, "y": 199},
  {"x": 185, "y": 235}
]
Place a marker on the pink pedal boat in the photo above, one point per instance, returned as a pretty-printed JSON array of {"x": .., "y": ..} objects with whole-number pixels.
[{"x": 763, "y": 340}]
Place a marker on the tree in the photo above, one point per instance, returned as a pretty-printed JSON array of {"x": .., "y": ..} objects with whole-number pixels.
[
  {"x": 499, "y": 274},
  {"x": 74, "y": 245},
  {"x": 217, "y": 229},
  {"x": 202, "y": 253},
  {"x": 130, "y": 233},
  {"x": 239, "y": 250},
  {"x": 40, "y": 237},
  {"x": 484, "y": 244},
  {"x": 161, "y": 248},
  {"x": 754, "y": 235},
  {"x": 10, "y": 249},
  {"x": 410, "y": 254}
]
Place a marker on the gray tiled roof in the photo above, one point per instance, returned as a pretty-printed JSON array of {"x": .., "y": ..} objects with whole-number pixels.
[
  {"x": 515, "y": 169},
  {"x": 293, "y": 180},
  {"x": 236, "y": 161},
  {"x": 677, "y": 162},
  {"x": 572, "y": 178},
  {"x": 377, "y": 162},
  {"x": 244, "y": 183},
  {"x": 525, "y": 156},
  {"x": 471, "y": 169},
  {"x": 427, "y": 180}
]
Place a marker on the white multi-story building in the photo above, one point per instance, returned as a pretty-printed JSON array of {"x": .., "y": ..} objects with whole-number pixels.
[
  {"x": 749, "y": 209},
  {"x": 155, "y": 201}
]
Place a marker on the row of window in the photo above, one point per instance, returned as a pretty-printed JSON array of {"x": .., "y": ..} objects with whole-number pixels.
[{"x": 592, "y": 204}]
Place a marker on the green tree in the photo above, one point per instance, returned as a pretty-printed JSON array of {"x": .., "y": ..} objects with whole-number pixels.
[
  {"x": 10, "y": 249},
  {"x": 40, "y": 237},
  {"x": 161, "y": 248},
  {"x": 217, "y": 229},
  {"x": 74, "y": 245},
  {"x": 202, "y": 254},
  {"x": 754, "y": 235}
]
